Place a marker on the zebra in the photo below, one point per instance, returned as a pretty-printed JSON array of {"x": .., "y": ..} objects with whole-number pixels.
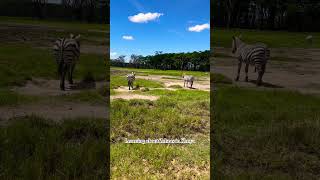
[
  {"x": 187, "y": 79},
  {"x": 131, "y": 77},
  {"x": 309, "y": 39},
  {"x": 67, "y": 53},
  {"x": 256, "y": 55}
]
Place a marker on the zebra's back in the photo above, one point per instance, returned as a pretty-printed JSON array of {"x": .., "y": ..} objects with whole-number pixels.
[
  {"x": 66, "y": 51},
  {"x": 188, "y": 78},
  {"x": 257, "y": 54}
]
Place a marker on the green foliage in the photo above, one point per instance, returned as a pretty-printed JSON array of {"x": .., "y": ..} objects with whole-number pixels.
[
  {"x": 124, "y": 71},
  {"x": 196, "y": 61}
]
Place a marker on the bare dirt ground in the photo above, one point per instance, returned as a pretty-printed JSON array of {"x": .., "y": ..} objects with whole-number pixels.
[
  {"x": 300, "y": 72},
  {"x": 50, "y": 87},
  {"x": 199, "y": 83},
  {"x": 168, "y": 81},
  {"x": 54, "y": 110}
]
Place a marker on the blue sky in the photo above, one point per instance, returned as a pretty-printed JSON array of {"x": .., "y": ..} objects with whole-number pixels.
[{"x": 145, "y": 26}]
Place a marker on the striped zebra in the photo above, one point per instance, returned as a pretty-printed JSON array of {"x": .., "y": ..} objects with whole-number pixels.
[
  {"x": 187, "y": 80},
  {"x": 131, "y": 77},
  {"x": 66, "y": 52},
  {"x": 256, "y": 55}
]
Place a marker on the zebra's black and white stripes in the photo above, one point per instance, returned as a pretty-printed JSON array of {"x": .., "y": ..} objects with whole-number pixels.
[
  {"x": 66, "y": 52},
  {"x": 131, "y": 78},
  {"x": 188, "y": 80},
  {"x": 256, "y": 55}
]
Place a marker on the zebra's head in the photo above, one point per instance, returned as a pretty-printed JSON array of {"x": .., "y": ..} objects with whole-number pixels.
[{"x": 76, "y": 38}]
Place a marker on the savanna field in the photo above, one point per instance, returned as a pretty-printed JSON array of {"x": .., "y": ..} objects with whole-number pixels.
[
  {"x": 46, "y": 133},
  {"x": 161, "y": 108},
  {"x": 268, "y": 132}
]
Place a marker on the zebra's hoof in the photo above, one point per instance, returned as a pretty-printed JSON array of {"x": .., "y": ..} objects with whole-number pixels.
[
  {"x": 236, "y": 79},
  {"x": 246, "y": 79}
]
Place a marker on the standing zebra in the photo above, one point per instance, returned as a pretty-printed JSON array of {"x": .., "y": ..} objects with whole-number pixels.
[
  {"x": 188, "y": 79},
  {"x": 66, "y": 52},
  {"x": 256, "y": 55},
  {"x": 131, "y": 77}
]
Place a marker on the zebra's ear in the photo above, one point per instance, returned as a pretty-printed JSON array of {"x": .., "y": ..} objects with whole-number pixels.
[
  {"x": 240, "y": 36},
  {"x": 71, "y": 36},
  {"x": 78, "y": 37}
]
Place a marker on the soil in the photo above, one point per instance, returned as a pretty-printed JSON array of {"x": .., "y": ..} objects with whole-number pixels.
[{"x": 301, "y": 75}]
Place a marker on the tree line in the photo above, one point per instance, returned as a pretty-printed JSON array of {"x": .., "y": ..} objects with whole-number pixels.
[
  {"x": 292, "y": 15},
  {"x": 193, "y": 61},
  {"x": 80, "y": 10}
]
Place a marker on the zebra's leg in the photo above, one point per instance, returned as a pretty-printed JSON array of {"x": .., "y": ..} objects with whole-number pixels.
[
  {"x": 70, "y": 75},
  {"x": 184, "y": 83},
  {"x": 191, "y": 83},
  {"x": 129, "y": 84},
  {"x": 239, "y": 68},
  {"x": 63, "y": 74},
  {"x": 246, "y": 69},
  {"x": 260, "y": 75}
]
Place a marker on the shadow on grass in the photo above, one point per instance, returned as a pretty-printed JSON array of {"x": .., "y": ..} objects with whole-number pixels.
[{"x": 266, "y": 84}]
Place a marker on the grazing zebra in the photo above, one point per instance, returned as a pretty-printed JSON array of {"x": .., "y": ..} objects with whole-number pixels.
[
  {"x": 256, "y": 55},
  {"x": 309, "y": 39},
  {"x": 188, "y": 79},
  {"x": 131, "y": 77},
  {"x": 66, "y": 52}
]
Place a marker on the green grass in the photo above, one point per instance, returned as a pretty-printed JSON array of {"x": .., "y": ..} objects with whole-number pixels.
[
  {"x": 160, "y": 72},
  {"x": 259, "y": 134},
  {"x": 10, "y": 98},
  {"x": 117, "y": 81},
  {"x": 176, "y": 114},
  {"x": 159, "y": 161},
  {"x": 220, "y": 79},
  {"x": 223, "y": 38},
  {"x": 175, "y": 86},
  {"x": 16, "y": 68},
  {"x": 33, "y": 148}
]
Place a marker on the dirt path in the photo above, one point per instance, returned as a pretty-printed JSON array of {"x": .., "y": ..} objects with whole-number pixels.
[
  {"x": 44, "y": 87},
  {"x": 303, "y": 76},
  {"x": 54, "y": 111},
  {"x": 168, "y": 81},
  {"x": 199, "y": 83}
]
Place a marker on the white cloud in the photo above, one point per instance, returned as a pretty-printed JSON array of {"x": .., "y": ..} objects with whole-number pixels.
[
  {"x": 129, "y": 38},
  {"x": 113, "y": 55},
  {"x": 199, "y": 28},
  {"x": 144, "y": 18}
]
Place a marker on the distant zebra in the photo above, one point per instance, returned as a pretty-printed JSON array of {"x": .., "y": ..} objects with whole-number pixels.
[
  {"x": 131, "y": 77},
  {"x": 188, "y": 79},
  {"x": 256, "y": 55},
  {"x": 309, "y": 39},
  {"x": 66, "y": 52}
]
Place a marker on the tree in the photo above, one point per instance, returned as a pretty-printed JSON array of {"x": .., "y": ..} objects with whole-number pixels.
[
  {"x": 39, "y": 6},
  {"x": 76, "y": 7}
]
